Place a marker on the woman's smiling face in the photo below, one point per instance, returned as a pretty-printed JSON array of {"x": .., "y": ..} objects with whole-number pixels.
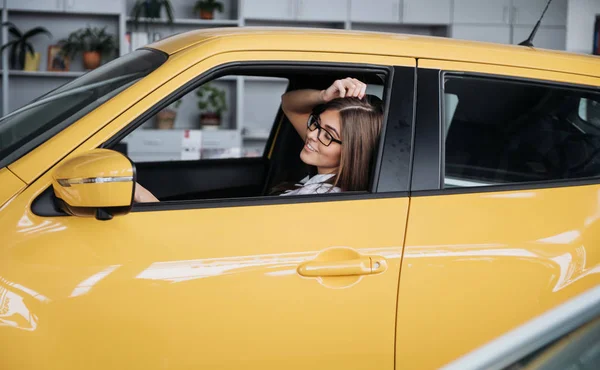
[{"x": 315, "y": 153}]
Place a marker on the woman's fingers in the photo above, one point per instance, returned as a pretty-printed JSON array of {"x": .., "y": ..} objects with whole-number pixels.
[
  {"x": 363, "y": 91},
  {"x": 353, "y": 87},
  {"x": 346, "y": 88},
  {"x": 351, "y": 90},
  {"x": 360, "y": 87},
  {"x": 341, "y": 87}
]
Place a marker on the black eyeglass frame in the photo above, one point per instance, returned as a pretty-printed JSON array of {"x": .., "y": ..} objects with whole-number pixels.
[{"x": 314, "y": 119}]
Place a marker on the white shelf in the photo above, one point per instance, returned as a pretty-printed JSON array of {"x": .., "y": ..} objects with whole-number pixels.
[
  {"x": 293, "y": 21},
  {"x": 187, "y": 21},
  {"x": 65, "y": 13},
  {"x": 70, "y": 74},
  {"x": 264, "y": 79},
  {"x": 255, "y": 137},
  {"x": 254, "y": 134}
]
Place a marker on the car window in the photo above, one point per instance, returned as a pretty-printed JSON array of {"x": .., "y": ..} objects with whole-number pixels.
[
  {"x": 503, "y": 132},
  {"x": 589, "y": 111},
  {"x": 208, "y": 139},
  {"x": 28, "y": 127},
  {"x": 209, "y": 123}
]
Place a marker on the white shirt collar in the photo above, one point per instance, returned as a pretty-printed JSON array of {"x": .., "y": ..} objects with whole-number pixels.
[{"x": 316, "y": 179}]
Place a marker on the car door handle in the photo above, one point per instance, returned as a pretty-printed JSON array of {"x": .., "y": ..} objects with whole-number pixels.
[{"x": 351, "y": 267}]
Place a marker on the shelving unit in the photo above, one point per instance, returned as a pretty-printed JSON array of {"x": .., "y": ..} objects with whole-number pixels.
[
  {"x": 249, "y": 98},
  {"x": 19, "y": 73},
  {"x": 188, "y": 21},
  {"x": 60, "y": 17}
]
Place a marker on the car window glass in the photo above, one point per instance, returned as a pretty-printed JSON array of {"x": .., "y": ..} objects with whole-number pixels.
[
  {"x": 502, "y": 132},
  {"x": 589, "y": 111},
  {"x": 375, "y": 90},
  {"x": 451, "y": 102},
  {"x": 209, "y": 123},
  {"x": 31, "y": 125}
]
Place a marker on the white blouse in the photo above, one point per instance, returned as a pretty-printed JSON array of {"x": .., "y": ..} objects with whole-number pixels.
[{"x": 314, "y": 185}]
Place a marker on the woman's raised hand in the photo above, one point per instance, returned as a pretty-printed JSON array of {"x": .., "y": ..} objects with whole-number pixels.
[{"x": 344, "y": 88}]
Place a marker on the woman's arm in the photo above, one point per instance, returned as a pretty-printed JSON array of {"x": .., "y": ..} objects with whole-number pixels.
[
  {"x": 298, "y": 104},
  {"x": 143, "y": 195}
]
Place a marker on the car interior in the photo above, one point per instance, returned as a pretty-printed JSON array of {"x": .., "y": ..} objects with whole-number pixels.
[
  {"x": 501, "y": 132},
  {"x": 247, "y": 177}
]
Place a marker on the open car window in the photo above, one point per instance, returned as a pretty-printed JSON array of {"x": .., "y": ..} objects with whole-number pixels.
[
  {"x": 226, "y": 137},
  {"x": 204, "y": 123}
]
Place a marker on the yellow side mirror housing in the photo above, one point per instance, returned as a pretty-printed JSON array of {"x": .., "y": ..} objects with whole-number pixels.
[{"x": 98, "y": 183}]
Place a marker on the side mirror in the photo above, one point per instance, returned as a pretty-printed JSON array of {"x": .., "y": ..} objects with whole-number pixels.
[{"x": 99, "y": 183}]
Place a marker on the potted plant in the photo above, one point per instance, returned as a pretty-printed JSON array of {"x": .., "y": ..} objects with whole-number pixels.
[
  {"x": 151, "y": 9},
  {"x": 21, "y": 50},
  {"x": 92, "y": 42},
  {"x": 165, "y": 119},
  {"x": 212, "y": 103},
  {"x": 207, "y": 8}
]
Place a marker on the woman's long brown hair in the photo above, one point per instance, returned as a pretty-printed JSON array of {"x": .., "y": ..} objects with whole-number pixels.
[{"x": 361, "y": 127}]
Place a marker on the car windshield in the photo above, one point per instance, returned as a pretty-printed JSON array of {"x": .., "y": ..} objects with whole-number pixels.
[{"x": 26, "y": 128}]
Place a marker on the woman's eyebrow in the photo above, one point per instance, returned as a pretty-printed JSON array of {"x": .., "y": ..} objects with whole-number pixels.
[{"x": 332, "y": 129}]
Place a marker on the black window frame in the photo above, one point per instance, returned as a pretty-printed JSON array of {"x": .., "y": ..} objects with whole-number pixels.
[
  {"x": 429, "y": 147},
  {"x": 240, "y": 67}
]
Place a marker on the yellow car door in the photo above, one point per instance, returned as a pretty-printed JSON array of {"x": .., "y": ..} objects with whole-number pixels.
[
  {"x": 504, "y": 214},
  {"x": 266, "y": 283},
  {"x": 11, "y": 185}
]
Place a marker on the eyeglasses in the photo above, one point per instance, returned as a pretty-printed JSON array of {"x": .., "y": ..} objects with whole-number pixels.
[{"x": 324, "y": 136}]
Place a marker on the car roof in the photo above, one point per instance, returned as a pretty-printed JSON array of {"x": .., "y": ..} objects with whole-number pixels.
[{"x": 219, "y": 40}]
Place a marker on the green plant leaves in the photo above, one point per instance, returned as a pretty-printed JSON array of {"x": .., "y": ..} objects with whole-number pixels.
[
  {"x": 88, "y": 39},
  {"x": 20, "y": 44},
  {"x": 151, "y": 9},
  {"x": 8, "y": 44},
  {"x": 211, "y": 98},
  {"x": 209, "y": 5},
  {"x": 14, "y": 30},
  {"x": 35, "y": 31}
]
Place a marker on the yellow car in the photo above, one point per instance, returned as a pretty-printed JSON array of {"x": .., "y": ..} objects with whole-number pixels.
[{"x": 483, "y": 210}]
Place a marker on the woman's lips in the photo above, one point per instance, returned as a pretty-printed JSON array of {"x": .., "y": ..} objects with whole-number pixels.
[{"x": 310, "y": 148}]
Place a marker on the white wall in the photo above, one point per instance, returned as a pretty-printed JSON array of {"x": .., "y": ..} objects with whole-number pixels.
[{"x": 581, "y": 15}]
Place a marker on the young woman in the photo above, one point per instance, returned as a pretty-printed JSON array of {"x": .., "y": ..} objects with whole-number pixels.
[{"x": 340, "y": 131}]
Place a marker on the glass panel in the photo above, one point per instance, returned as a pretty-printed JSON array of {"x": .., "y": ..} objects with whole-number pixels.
[
  {"x": 589, "y": 111},
  {"x": 501, "y": 132},
  {"x": 28, "y": 127}
]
